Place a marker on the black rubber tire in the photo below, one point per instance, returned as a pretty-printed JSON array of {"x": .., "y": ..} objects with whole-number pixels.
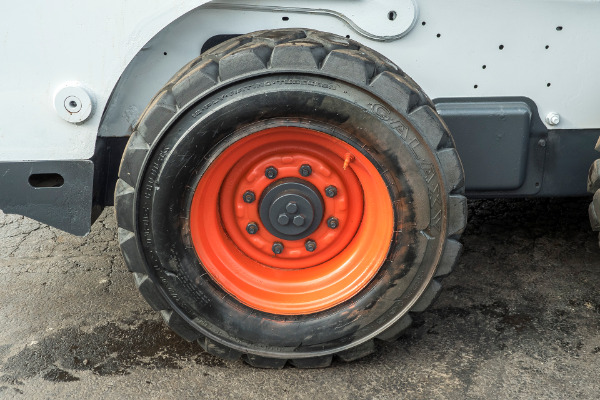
[
  {"x": 295, "y": 77},
  {"x": 593, "y": 186}
]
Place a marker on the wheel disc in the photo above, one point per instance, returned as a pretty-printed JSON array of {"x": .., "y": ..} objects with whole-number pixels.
[{"x": 291, "y": 221}]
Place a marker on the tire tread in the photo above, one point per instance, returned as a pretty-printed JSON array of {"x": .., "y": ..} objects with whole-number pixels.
[{"x": 593, "y": 186}]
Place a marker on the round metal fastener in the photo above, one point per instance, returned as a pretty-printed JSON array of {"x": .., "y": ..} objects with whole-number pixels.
[
  {"x": 553, "y": 118},
  {"x": 73, "y": 103},
  {"x": 283, "y": 219},
  {"x": 310, "y": 245},
  {"x": 299, "y": 220},
  {"x": 277, "y": 248},
  {"x": 292, "y": 207},
  {"x": 333, "y": 222},
  {"x": 271, "y": 172},
  {"x": 305, "y": 170},
  {"x": 249, "y": 197},
  {"x": 252, "y": 228},
  {"x": 331, "y": 191}
]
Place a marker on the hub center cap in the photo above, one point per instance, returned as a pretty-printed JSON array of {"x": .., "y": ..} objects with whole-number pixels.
[{"x": 291, "y": 208}]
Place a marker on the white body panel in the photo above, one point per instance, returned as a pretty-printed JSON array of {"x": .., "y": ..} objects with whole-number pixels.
[
  {"x": 50, "y": 43},
  {"x": 47, "y": 43}
]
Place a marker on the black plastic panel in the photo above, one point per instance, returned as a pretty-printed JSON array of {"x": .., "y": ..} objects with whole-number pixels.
[
  {"x": 507, "y": 151},
  {"x": 569, "y": 155},
  {"x": 63, "y": 203},
  {"x": 492, "y": 139}
]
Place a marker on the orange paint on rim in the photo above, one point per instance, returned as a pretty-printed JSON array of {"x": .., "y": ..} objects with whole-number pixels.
[{"x": 296, "y": 281}]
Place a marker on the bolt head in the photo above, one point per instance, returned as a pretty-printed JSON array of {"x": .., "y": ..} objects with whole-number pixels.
[
  {"x": 305, "y": 170},
  {"x": 553, "y": 118},
  {"x": 249, "y": 197},
  {"x": 277, "y": 248},
  {"x": 252, "y": 228},
  {"x": 271, "y": 172},
  {"x": 333, "y": 223},
  {"x": 310, "y": 245},
  {"x": 73, "y": 103},
  {"x": 292, "y": 207},
  {"x": 331, "y": 191},
  {"x": 283, "y": 219},
  {"x": 298, "y": 220}
]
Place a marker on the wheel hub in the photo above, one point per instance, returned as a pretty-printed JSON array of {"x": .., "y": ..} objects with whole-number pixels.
[{"x": 291, "y": 209}]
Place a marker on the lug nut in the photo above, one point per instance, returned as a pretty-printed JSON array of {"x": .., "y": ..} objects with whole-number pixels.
[
  {"x": 305, "y": 170},
  {"x": 283, "y": 219},
  {"x": 292, "y": 207},
  {"x": 249, "y": 197},
  {"x": 310, "y": 245},
  {"x": 553, "y": 118},
  {"x": 331, "y": 191},
  {"x": 271, "y": 172},
  {"x": 298, "y": 220},
  {"x": 277, "y": 248},
  {"x": 252, "y": 228},
  {"x": 333, "y": 223}
]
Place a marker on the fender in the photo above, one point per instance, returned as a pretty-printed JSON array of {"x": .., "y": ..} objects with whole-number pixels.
[
  {"x": 114, "y": 57},
  {"x": 85, "y": 42},
  {"x": 87, "y": 45}
]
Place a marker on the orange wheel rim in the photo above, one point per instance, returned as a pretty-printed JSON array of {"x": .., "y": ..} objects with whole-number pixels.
[{"x": 241, "y": 257}]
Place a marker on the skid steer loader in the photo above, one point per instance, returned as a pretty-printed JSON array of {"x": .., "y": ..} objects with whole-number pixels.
[{"x": 290, "y": 177}]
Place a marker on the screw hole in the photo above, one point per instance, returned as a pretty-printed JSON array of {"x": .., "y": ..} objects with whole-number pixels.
[
  {"x": 165, "y": 53},
  {"x": 347, "y": 36},
  {"x": 392, "y": 15},
  {"x": 548, "y": 84},
  {"x": 547, "y": 47},
  {"x": 423, "y": 23},
  {"x": 501, "y": 47},
  {"x": 475, "y": 86},
  {"x": 72, "y": 104},
  {"x": 537, "y": 184},
  {"x": 439, "y": 35},
  {"x": 285, "y": 18},
  {"x": 559, "y": 28},
  {"x": 483, "y": 66}
]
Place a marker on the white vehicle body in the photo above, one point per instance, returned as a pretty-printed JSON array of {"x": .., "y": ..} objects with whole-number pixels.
[
  {"x": 112, "y": 58},
  {"x": 92, "y": 44}
]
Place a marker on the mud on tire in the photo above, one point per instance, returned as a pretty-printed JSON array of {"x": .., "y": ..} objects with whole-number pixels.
[{"x": 311, "y": 84}]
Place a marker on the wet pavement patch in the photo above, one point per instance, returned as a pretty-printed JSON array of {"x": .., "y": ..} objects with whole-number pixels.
[
  {"x": 59, "y": 375},
  {"x": 498, "y": 310},
  {"x": 107, "y": 350}
]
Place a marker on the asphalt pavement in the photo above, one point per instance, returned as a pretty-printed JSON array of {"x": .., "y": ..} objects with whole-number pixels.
[{"x": 518, "y": 318}]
